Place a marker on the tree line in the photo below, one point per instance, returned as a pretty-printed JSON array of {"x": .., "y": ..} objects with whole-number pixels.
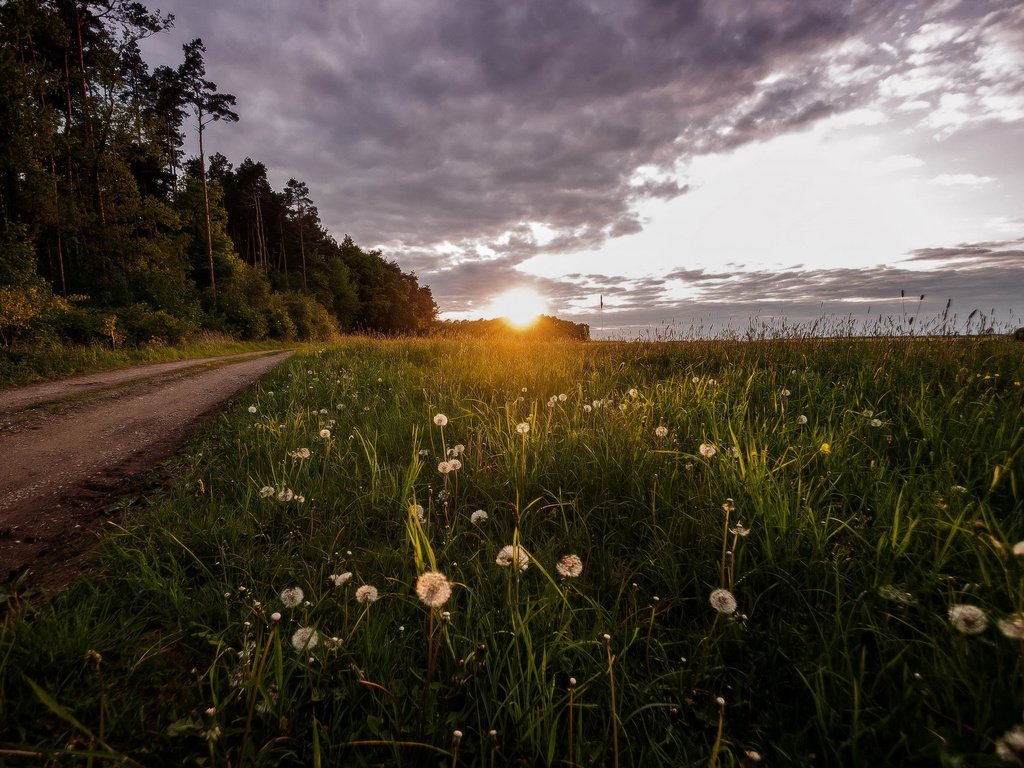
[{"x": 107, "y": 229}]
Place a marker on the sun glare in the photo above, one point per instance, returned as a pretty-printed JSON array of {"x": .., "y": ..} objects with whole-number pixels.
[{"x": 520, "y": 306}]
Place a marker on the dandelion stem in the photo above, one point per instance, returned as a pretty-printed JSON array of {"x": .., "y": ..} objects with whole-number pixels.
[
  {"x": 615, "y": 713},
  {"x": 713, "y": 762}
]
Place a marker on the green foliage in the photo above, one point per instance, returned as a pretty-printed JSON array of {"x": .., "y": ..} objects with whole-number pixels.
[{"x": 878, "y": 484}]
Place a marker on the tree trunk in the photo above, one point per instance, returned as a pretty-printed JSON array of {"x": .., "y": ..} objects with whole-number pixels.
[{"x": 206, "y": 210}]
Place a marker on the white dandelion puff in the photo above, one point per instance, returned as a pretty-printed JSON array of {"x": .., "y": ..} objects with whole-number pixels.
[
  {"x": 252, "y": 409},
  {"x": 522, "y": 427},
  {"x": 1010, "y": 747},
  {"x": 285, "y": 494},
  {"x": 587, "y": 408},
  {"x": 478, "y": 517},
  {"x": 340, "y": 579},
  {"x": 801, "y": 419},
  {"x": 444, "y": 467},
  {"x": 562, "y": 397},
  {"x": 367, "y": 594},
  {"x": 266, "y": 491},
  {"x": 305, "y": 639},
  {"x": 707, "y": 450},
  {"x": 1012, "y": 626},
  {"x": 876, "y": 422},
  {"x": 513, "y": 555},
  {"x": 325, "y": 434},
  {"x": 723, "y": 601},
  {"x": 968, "y": 619},
  {"x": 441, "y": 420},
  {"x": 569, "y": 566},
  {"x": 1018, "y": 549},
  {"x": 433, "y": 589},
  {"x": 292, "y": 597},
  {"x": 661, "y": 431},
  {"x": 421, "y": 515}
]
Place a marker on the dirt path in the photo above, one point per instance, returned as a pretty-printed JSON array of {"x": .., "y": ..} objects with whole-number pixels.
[{"x": 69, "y": 449}]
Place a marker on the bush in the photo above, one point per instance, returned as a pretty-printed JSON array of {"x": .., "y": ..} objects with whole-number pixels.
[
  {"x": 142, "y": 325},
  {"x": 311, "y": 320}
]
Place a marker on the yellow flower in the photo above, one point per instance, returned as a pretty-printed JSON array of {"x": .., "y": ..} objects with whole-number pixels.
[{"x": 825, "y": 448}]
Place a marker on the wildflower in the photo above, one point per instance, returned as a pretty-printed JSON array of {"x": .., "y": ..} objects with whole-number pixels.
[
  {"x": 801, "y": 419},
  {"x": 366, "y": 594},
  {"x": 478, "y": 517},
  {"x": 420, "y": 514},
  {"x": 266, "y": 490},
  {"x": 285, "y": 494},
  {"x": 522, "y": 427},
  {"x": 456, "y": 737},
  {"x": 1010, "y": 747},
  {"x": 305, "y": 639},
  {"x": 340, "y": 579},
  {"x": 661, "y": 432},
  {"x": 876, "y": 422},
  {"x": 587, "y": 408},
  {"x": 441, "y": 420},
  {"x": 510, "y": 555},
  {"x": 455, "y": 464},
  {"x": 562, "y": 397},
  {"x": 1012, "y": 626},
  {"x": 570, "y": 566},
  {"x": 444, "y": 467},
  {"x": 292, "y": 596},
  {"x": 252, "y": 409},
  {"x": 707, "y": 450},
  {"x": 325, "y": 434},
  {"x": 633, "y": 392},
  {"x": 275, "y": 616},
  {"x": 968, "y": 619},
  {"x": 723, "y": 601},
  {"x": 433, "y": 589},
  {"x": 1018, "y": 549},
  {"x": 825, "y": 449}
]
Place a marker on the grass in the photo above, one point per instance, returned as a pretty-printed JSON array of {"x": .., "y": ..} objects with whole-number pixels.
[
  {"x": 899, "y": 497},
  {"x": 30, "y": 363}
]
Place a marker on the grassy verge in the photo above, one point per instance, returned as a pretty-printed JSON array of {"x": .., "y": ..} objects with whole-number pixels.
[
  {"x": 773, "y": 539},
  {"x": 27, "y": 364}
]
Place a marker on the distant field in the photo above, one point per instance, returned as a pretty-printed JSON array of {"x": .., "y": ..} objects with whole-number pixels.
[{"x": 787, "y": 552}]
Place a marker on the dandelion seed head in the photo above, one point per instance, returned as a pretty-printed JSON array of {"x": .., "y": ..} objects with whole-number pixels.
[
  {"x": 1012, "y": 626},
  {"x": 707, "y": 450},
  {"x": 275, "y": 616},
  {"x": 587, "y": 408},
  {"x": 305, "y": 639},
  {"x": 522, "y": 427},
  {"x": 340, "y": 579},
  {"x": 325, "y": 434},
  {"x": 478, "y": 517},
  {"x": 785, "y": 393},
  {"x": 739, "y": 530},
  {"x": 441, "y": 420},
  {"x": 417, "y": 509},
  {"x": 661, "y": 431},
  {"x": 562, "y": 397},
  {"x": 723, "y": 601},
  {"x": 285, "y": 494},
  {"x": 292, "y": 597},
  {"x": 252, "y": 409},
  {"x": 513, "y": 555},
  {"x": 968, "y": 619},
  {"x": 366, "y": 594},
  {"x": 444, "y": 467},
  {"x": 633, "y": 392},
  {"x": 876, "y": 422},
  {"x": 801, "y": 419},
  {"x": 455, "y": 464},
  {"x": 266, "y": 490},
  {"x": 433, "y": 589},
  {"x": 570, "y": 566},
  {"x": 1018, "y": 549},
  {"x": 1010, "y": 746}
]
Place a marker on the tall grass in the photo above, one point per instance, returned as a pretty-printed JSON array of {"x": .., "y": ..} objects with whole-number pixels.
[{"x": 873, "y": 485}]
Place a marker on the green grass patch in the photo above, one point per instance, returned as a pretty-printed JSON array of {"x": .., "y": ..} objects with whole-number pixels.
[{"x": 833, "y": 499}]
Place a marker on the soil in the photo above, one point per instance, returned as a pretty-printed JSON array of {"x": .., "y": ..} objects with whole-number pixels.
[{"x": 75, "y": 451}]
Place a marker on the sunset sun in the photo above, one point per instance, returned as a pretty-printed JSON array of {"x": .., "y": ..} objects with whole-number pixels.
[{"x": 520, "y": 306}]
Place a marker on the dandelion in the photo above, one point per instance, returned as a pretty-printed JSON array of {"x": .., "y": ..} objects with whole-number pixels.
[
  {"x": 266, "y": 491},
  {"x": 707, "y": 450},
  {"x": 723, "y": 601},
  {"x": 826, "y": 449},
  {"x": 441, "y": 420},
  {"x": 421, "y": 515},
  {"x": 785, "y": 393},
  {"x": 292, "y": 597},
  {"x": 633, "y": 392},
  {"x": 325, "y": 434},
  {"x": 661, "y": 432},
  {"x": 1010, "y": 747},
  {"x": 252, "y": 409},
  {"x": 876, "y": 422},
  {"x": 457, "y": 450},
  {"x": 739, "y": 530},
  {"x": 510, "y": 555},
  {"x": 478, "y": 517},
  {"x": 1012, "y": 626},
  {"x": 433, "y": 589},
  {"x": 968, "y": 619},
  {"x": 285, "y": 494},
  {"x": 562, "y": 397},
  {"x": 728, "y": 506},
  {"x": 1018, "y": 549},
  {"x": 444, "y": 467},
  {"x": 570, "y": 566},
  {"x": 340, "y": 579},
  {"x": 302, "y": 453},
  {"x": 299, "y": 499},
  {"x": 275, "y": 616},
  {"x": 305, "y": 639},
  {"x": 455, "y": 464},
  {"x": 522, "y": 427},
  {"x": 366, "y": 594},
  {"x": 801, "y": 419},
  {"x": 587, "y": 408}
]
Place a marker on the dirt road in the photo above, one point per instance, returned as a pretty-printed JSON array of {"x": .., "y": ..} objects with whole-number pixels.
[{"x": 69, "y": 449}]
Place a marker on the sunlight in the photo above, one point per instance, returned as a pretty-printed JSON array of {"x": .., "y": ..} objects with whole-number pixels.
[{"x": 520, "y": 306}]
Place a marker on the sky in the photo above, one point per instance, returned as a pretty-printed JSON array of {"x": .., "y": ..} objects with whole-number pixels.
[{"x": 692, "y": 166}]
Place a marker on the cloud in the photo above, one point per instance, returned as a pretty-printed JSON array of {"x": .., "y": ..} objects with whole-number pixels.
[{"x": 961, "y": 180}]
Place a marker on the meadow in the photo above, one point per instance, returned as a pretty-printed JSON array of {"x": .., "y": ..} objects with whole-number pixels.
[{"x": 457, "y": 552}]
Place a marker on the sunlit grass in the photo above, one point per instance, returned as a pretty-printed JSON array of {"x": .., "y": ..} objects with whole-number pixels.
[{"x": 768, "y": 538}]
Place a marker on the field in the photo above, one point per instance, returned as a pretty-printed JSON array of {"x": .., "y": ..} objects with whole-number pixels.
[{"x": 774, "y": 546}]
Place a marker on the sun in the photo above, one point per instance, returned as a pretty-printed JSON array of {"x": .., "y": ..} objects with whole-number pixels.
[{"x": 520, "y": 306}]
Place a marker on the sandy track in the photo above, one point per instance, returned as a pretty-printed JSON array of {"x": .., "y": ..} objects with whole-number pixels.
[{"x": 69, "y": 449}]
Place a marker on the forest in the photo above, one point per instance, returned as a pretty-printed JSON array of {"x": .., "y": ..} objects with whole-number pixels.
[{"x": 110, "y": 232}]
